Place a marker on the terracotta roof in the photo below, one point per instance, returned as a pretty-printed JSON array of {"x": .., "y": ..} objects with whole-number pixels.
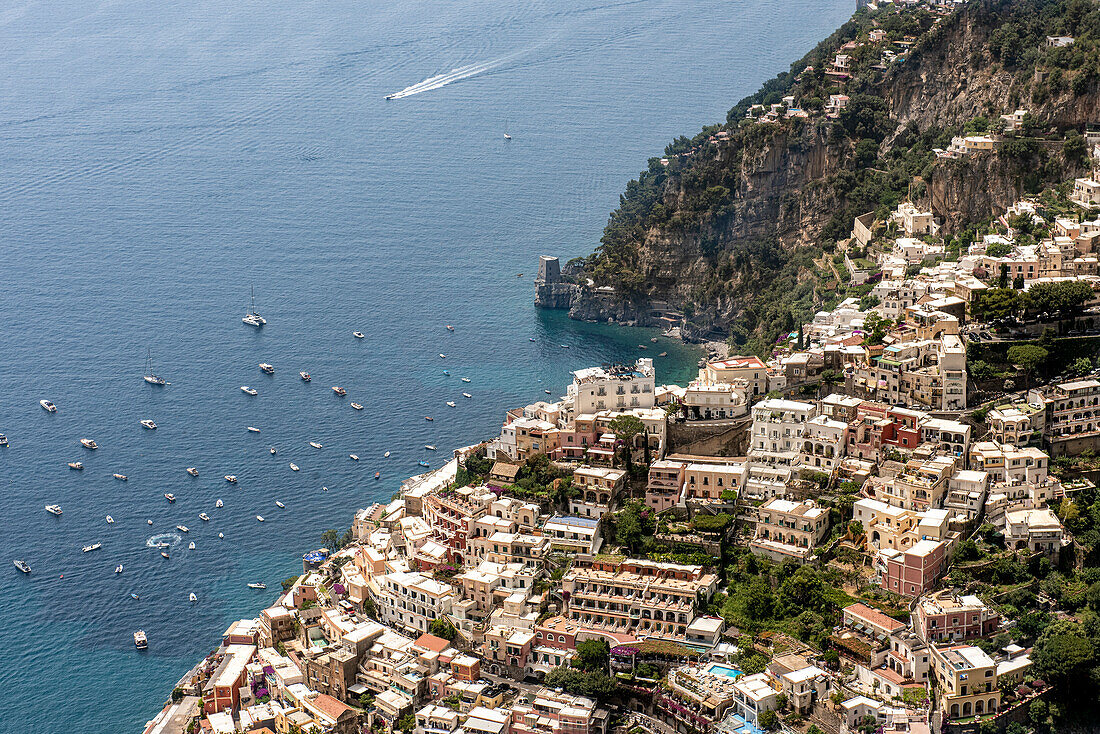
[
  {"x": 331, "y": 707},
  {"x": 503, "y": 469},
  {"x": 431, "y": 642},
  {"x": 873, "y": 616}
]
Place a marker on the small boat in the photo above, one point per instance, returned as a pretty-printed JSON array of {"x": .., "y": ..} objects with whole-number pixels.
[
  {"x": 642, "y": 346},
  {"x": 386, "y": 455},
  {"x": 467, "y": 395},
  {"x": 315, "y": 444},
  {"x": 653, "y": 339},
  {"x": 231, "y": 478},
  {"x": 204, "y": 517},
  {"x": 152, "y": 377},
  {"x": 120, "y": 477},
  {"x": 530, "y": 338},
  {"x": 252, "y": 318},
  {"x": 324, "y": 489},
  {"x": 134, "y": 596},
  {"x": 663, "y": 354},
  {"x": 305, "y": 376},
  {"x": 465, "y": 379},
  {"x": 266, "y": 368},
  {"x": 547, "y": 392},
  {"x": 564, "y": 346},
  {"x": 183, "y": 528},
  {"x": 48, "y": 406},
  {"x": 170, "y": 497},
  {"x": 293, "y": 466},
  {"x": 428, "y": 418},
  {"x": 140, "y": 641},
  {"x": 519, "y": 275},
  {"x": 257, "y": 586},
  {"x": 164, "y": 554},
  {"x": 451, "y": 403},
  {"x": 191, "y": 545},
  {"x": 273, "y": 451},
  {"x": 76, "y": 465},
  {"x": 192, "y": 471},
  {"x": 92, "y": 547},
  {"x": 508, "y": 137},
  {"x": 377, "y": 475},
  {"x": 353, "y": 457},
  {"x": 450, "y": 328},
  {"x": 260, "y": 518},
  {"x": 429, "y": 447},
  {"x": 447, "y": 373},
  {"x": 358, "y": 334},
  {"x": 442, "y": 356},
  {"x": 357, "y": 406},
  {"x": 54, "y": 509},
  {"x": 339, "y": 390},
  {"x": 423, "y": 463},
  {"x": 253, "y": 429},
  {"x": 221, "y": 535},
  {"x": 149, "y": 522},
  {"x": 388, "y": 98},
  {"x": 192, "y": 598},
  {"x": 149, "y": 424},
  {"x": 3, "y": 440},
  {"x": 22, "y": 566},
  {"x": 118, "y": 568},
  {"x": 110, "y": 520},
  {"x": 248, "y": 390},
  {"x": 89, "y": 443},
  {"x": 280, "y": 505},
  {"x": 219, "y": 503}
]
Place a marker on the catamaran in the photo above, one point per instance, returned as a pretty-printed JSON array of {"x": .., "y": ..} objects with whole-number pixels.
[{"x": 252, "y": 318}]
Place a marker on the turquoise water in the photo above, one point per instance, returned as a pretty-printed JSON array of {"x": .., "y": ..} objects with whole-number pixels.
[
  {"x": 157, "y": 157},
  {"x": 725, "y": 670}
]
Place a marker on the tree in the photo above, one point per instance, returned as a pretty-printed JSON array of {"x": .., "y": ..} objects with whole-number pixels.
[
  {"x": 331, "y": 539},
  {"x": 875, "y": 327},
  {"x": 1027, "y": 357},
  {"x": 768, "y": 720},
  {"x": 592, "y": 656},
  {"x": 594, "y": 685},
  {"x": 1063, "y": 655},
  {"x": 442, "y": 627},
  {"x": 803, "y": 590},
  {"x": 996, "y": 304},
  {"x": 759, "y": 601},
  {"x": 406, "y": 723},
  {"x": 999, "y": 249},
  {"x": 712, "y": 523},
  {"x": 1081, "y": 365},
  {"x": 1074, "y": 147},
  {"x": 1064, "y": 297},
  {"x": 625, "y": 428}
]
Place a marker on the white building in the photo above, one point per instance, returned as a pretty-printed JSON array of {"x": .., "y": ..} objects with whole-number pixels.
[{"x": 613, "y": 387}]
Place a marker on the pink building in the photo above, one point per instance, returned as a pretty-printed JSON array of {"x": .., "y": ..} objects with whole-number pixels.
[
  {"x": 913, "y": 572},
  {"x": 666, "y": 481},
  {"x": 950, "y": 616}
]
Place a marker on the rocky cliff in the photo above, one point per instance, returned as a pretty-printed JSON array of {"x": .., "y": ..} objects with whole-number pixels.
[{"x": 733, "y": 229}]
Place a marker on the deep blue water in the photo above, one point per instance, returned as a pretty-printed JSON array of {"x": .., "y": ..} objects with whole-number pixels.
[{"x": 159, "y": 156}]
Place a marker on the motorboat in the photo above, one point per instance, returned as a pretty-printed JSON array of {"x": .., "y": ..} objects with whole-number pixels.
[
  {"x": 231, "y": 478},
  {"x": 663, "y": 354},
  {"x": 564, "y": 346},
  {"x": 140, "y": 640},
  {"x": 118, "y": 568},
  {"x": 164, "y": 555},
  {"x": 149, "y": 522},
  {"x": 170, "y": 497},
  {"x": 447, "y": 373},
  {"x": 293, "y": 466},
  {"x": 192, "y": 471},
  {"x": 388, "y": 98},
  {"x": 221, "y": 535},
  {"x": 252, "y": 318},
  {"x": 149, "y": 424},
  {"x": 450, "y": 328},
  {"x": 48, "y": 406},
  {"x": 507, "y": 136},
  {"x": 386, "y": 455},
  {"x": 110, "y": 520},
  {"x": 451, "y": 403},
  {"x": 377, "y": 475},
  {"x": 266, "y": 368},
  {"x": 260, "y": 518},
  {"x": 429, "y": 447},
  {"x": 280, "y": 505},
  {"x": 324, "y": 489},
  {"x": 204, "y": 517},
  {"x": 120, "y": 477},
  {"x": 465, "y": 379},
  {"x": 253, "y": 429},
  {"x": 134, "y": 596},
  {"x": 357, "y": 406},
  {"x": 21, "y": 565},
  {"x": 467, "y": 395},
  {"x": 305, "y": 376},
  {"x": 248, "y": 390},
  {"x": 442, "y": 356},
  {"x": 358, "y": 334},
  {"x": 219, "y": 503},
  {"x": 423, "y": 463},
  {"x": 339, "y": 390},
  {"x": 76, "y": 465},
  {"x": 191, "y": 545},
  {"x": 530, "y": 338},
  {"x": 273, "y": 451},
  {"x": 92, "y": 547},
  {"x": 315, "y": 444},
  {"x": 150, "y": 376},
  {"x": 3, "y": 440},
  {"x": 428, "y": 418},
  {"x": 257, "y": 586},
  {"x": 192, "y": 598},
  {"x": 353, "y": 457},
  {"x": 183, "y": 528},
  {"x": 89, "y": 443},
  {"x": 548, "y": 392}
]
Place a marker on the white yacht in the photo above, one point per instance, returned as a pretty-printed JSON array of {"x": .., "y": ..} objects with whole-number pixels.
[
  {"x": 140, "y": 640},
  {"x": 467, "y": 395},
  {"x": 79, "y": 466},
  {"x": 305, "y": 376},
  {"x": 315, "y": 444},
  {"x": 429, "y": 447},
  {"x": 386, "y": 455},
  {"x": 170, "y": 497},
  {"x": 266, "y": 368},
  {"x": 465, "y": 379},
  {"x": 88, "y": 443},
  {"x": 451, "y": 403},
  {"x": 339, "y": 390},
  {"x": 358, "y": 334},
  {"x": 120, "y": 477},
  {"x": 357, "y": 406},
  {"x": 353, "y": 457},
  {"x": 221, "y": 535},
  {"x": 273, "y": 451},
  {"x": 110, "y": 520},
  {"x": 53, "y": 509},
  {"x": 257, "y": 586},
  {"x": 149, "y": 424},
  {"x": 248, "y": 390},
  {"x": 182, "y": 528},
  {"x": 192, "y": 471},
  {"x": 280, "y": 505},
  {"x": 204, "y": 517},
  {"x": 231, "y": 478},
  {"x": 219, "y": 503},
  {"x": 152, "y": 377},
  {"x": 253, "y": 429},
  {"x": 293, "y": 466},
  {"x": 3, "y": 440},
  {"x": 22, "y": 566},
  {"x": 48, "y": 406},
  {"x": 191, "y": 545},
  {"x": 252, "y": 318},
  {"x": 442, "y": 356},
  {"x": 192, "y": 598},
  {"x": 260, "y": 518},
  {"x": 118, "y": 568},
  {"x": 92, "y": 547}
]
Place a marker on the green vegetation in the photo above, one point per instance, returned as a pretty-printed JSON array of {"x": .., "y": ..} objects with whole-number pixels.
[
  {"x": 592, "y": 656},
  {"x": 595, "y": 685},
  {"x": 442, "y": 627}
]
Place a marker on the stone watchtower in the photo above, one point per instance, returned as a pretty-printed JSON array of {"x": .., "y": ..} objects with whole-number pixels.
[
  {"x": 549, "y": 271},
  {"x": 550, "y": 290}
]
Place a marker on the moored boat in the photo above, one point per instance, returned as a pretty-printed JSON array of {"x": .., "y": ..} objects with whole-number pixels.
[
  {"x": 315, "y": 444},
  {"x": 358, "y": 334},
  {"x": 451, "y": 403},
  {"x": 141, "y": 642},
  {"x": 429, "y": 447},
  {"x": 170, "y": 497},
  {"x": 92, "y": 547},
  {"x": 280, "y": 505},
  {"x": 150, "y": 376},
  {"x": 465, "y": 379},
  {"x": 182, "y": 528},
  {"x": 89, "y": 443},
  {"x": 21, "y": 565},
  {"x": 204, "y": 517},
  {"x": 260, "y": 518},
  {"x": 3, "y": 440},
  {"x": 120, "y": 477},
  {"x": 48, "y": 406},
  {"x": 357, "y": 406},
  {"x": 76, "y": 465},
  {"x": 273, "y": 451},
  {"x": 423, "y": 463},
  {"x": 110, "y": 520},
  {"x": 428, "y": 418},
  {"x": 253, "y": 429},
  {"x": 386, "y": 455},
  {"x": 305, "y": 376},
  {"x": 252, "y": 318},
  {"x": 149, "y": 424},
  {"x": 164, "y": 555},
  {"x": 377, "y": 475},
  {"x": 257, "y": 586},
  {"x": 266, "y": 368},
  {"x": 118, "y": 568},
  {"x": 231, "y": 478},
  {"x": 339, "y": 390},
  {"x": 219, "y": 503},
  {"x": 191, "y": 545},
  {"x": 467, "y": 395},
  {"x": 192, "y": 471},
  {"x": 450, "y": 328},
  {"x": 248, "y": 390},
  {"x": 192, "y": 598},
  {"x": 293, "y": 466}
]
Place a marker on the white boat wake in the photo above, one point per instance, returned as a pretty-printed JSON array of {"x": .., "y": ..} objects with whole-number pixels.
[{"x": 454, "y": 75}]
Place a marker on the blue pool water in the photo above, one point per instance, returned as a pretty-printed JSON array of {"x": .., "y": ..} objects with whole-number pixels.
[
  {"x": 719, "y": 669},
  {"x": 158, "y": 157}
]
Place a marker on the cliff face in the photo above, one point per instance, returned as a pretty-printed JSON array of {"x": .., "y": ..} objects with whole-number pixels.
[{"x": 731, "y": 224}]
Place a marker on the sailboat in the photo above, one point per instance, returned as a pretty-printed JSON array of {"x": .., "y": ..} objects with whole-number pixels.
[
  {"x": 152, "y": 377},
  {"x": 506, "y": 135},
  {"x": 252, "y": 318}
]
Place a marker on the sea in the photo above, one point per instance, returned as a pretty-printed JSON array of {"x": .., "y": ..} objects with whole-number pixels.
[{"x": 159, "y": 159}]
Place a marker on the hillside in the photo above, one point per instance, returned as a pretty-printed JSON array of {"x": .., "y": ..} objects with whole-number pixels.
[{"x": 733, "y": 229}]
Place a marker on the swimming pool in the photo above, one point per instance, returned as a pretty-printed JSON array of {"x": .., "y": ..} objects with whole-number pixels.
[{"x": 718, "y": 669}]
